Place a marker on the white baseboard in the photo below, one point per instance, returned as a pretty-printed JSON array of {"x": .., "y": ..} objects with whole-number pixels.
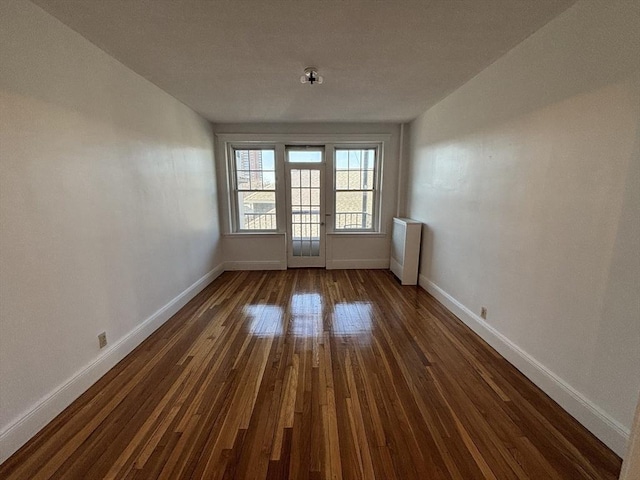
[
  {"x": 256, "y": 265},
  {"x": 371, "y": 263},
  {"x": 609, "y": 431},
  {"x": 46, "y": 409},
  {"x": 375, "y": 263}
]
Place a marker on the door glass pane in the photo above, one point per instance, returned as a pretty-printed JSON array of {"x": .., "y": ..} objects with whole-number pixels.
[
  {"x": 305, "y": 178},
  {"x": 305, "y": 212}
]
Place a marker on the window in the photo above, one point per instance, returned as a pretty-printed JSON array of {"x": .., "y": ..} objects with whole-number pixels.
[
  {"x": 255, "y": 188},
  {"x": 262, "y": 196},
  {"x": 304, "y": 155},
  {"x": 355, "y": 188}
]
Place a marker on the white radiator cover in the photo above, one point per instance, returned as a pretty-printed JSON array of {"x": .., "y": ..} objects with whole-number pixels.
[{"x": 405, "y": 250}]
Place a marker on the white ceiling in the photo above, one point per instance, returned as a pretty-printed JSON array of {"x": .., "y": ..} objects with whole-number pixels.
[{"x": 241, "y": 60}]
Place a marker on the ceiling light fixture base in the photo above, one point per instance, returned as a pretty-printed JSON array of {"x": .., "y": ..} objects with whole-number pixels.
[{"x": 311, "y": 76}]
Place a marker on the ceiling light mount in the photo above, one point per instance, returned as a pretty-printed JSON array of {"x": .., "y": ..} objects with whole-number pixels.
[{"x": 311, "y": 76}]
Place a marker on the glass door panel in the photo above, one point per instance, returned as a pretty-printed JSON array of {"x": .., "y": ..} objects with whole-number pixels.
[{"x": 306, "y": 216}]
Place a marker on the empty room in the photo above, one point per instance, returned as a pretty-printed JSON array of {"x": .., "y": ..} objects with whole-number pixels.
[{"x": 331, "y": 239}]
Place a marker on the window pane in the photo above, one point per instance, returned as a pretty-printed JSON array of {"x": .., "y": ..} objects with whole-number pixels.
[
  {"x": 355, "y": 159},
  {"x": 298, "y": 156},
  {"x": 366, "y": 179},
  {"x": 360, "y": 179},
  {"x": 268, "y": 160},
  {"x": 342, "y": 159},
  {"x": 259, "y": 180},
  {"x": 256, "y": 180},
  {"x": 354, "y": 210},
  {"x": 269, "y": 180},
  {"x": 342, "y": 179},
  {"x": 355, "y": 169},
  {"x": 255, "y": 159},
  {"x": 257, "y": 210},
  {"x": 243, "y": 180}
]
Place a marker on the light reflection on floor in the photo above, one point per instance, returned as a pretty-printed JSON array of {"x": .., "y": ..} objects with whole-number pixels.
[
  {"x": 305, "y": 315},
  {"x": 266, "y": 320},
  {"x": 353, "y": 318}
]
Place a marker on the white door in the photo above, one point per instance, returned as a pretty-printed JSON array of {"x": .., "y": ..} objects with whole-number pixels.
[{"x": 305, "y": 215}]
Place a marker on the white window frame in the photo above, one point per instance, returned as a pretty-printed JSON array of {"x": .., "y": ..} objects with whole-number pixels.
[
  {"x": 228, "y": 142},
  {"x": 377, "y": 186},
  {"x": 236, "y": 222}
]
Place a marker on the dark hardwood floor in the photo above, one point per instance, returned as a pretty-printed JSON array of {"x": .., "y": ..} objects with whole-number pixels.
[{"x": 313, "y": 374}]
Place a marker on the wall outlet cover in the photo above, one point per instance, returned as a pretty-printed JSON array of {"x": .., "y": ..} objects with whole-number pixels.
[{"x": 102, "y": 339}]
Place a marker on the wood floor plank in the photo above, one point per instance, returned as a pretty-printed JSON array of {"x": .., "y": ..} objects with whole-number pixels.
[{"x": 313, "y": 374}]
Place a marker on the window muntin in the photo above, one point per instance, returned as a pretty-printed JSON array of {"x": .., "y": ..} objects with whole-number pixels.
[
  {"x": 355, "y": 189},
  {"x": 255, "y": 189}
]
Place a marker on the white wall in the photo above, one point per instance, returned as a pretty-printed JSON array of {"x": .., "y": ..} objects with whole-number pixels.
[
  {"x": 342, "y": 250},
  {"x": 528, "y": 178},
  {"x": 107, "y": 209}
]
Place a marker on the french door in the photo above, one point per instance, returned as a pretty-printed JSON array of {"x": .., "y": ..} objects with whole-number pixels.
[{"x": 305, "y": 215}]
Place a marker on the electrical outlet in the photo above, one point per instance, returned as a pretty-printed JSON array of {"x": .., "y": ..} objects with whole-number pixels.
[
  {"x": 483, "y": 312},
  {"x": 102, "y": 339}
]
